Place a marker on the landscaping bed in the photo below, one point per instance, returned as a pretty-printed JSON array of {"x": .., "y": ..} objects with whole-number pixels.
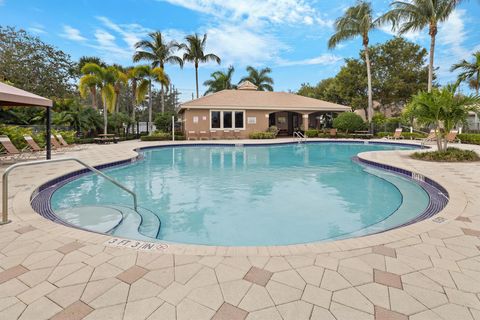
[{"x": 449, "y": 155}]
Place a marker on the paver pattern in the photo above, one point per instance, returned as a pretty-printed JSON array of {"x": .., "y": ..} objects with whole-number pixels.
[{"x": 427, "y": 271}]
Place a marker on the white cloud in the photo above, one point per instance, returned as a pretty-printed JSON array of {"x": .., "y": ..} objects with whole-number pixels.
[
  {"x": 254, "y": 12},
  {"x": 451, "y": 45},
  {"x": 242, "y": 46},
  {"x": 415, "y": 36},
  {"x": 323, "y": 59},
  {"x": 130, "y": 33},
  {"x": 37, "y": 28},
  {"x": 72, "y": 34},
  {"x": 247, "y": 32}
]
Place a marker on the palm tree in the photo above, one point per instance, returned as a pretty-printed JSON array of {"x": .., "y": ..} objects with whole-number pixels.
[
  {"x": 442, "y": 108},
  {"x": 220, "y": 81},
  {"x": 260, "y": 78},
  {"x": 416, "y": 15},
  {"x": 195, "y": 52},
  {"x": 470, "y": 71},
  {"x": 133, "y": 77},
  {"x": 121, "y": 79},
  {"x": 147, "y": 75},
  {"x": 104, "y": 79},
  {"x": 89, "y": 82},
  {"x": 357, "y": 21},
  {"x": 158, "y": 52}
]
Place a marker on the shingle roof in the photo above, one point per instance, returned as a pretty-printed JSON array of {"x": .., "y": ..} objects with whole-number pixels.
[{"x": 261, "y": 100}]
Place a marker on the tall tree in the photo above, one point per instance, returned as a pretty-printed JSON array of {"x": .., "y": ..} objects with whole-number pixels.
[
  {"x": 220, "y": 81},
  {"x": 195, "y": 52},
  {"x": 104, "y": 78},
  {"x": 470, "y": 71},
  {"x": 399, "y": 72},
  {"x": 147, "y": 76},
  {"x": 133, "y": 77},
  {"x": 260, "y": 78},
  {"x": 416, "y": 15},
  {"x": 357, "y": 21},
  {"x": 159, "y": 52},
  {"x": 33, "y": 65}
]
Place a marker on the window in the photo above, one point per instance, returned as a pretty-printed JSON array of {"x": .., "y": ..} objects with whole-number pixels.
[
  {"x": 227, "y": 119},
  {"x": 216, "y": 119},
  {"x": 238, "y": 119}
]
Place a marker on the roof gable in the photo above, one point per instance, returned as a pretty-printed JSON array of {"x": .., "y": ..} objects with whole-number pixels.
[{"x": 253, "y": 99}]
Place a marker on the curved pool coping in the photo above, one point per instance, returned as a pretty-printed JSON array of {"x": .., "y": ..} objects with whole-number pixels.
[{"x": 41, "y": 197}]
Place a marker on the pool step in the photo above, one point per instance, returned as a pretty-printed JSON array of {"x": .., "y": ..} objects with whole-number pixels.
[{"x": 141, "y": 224}]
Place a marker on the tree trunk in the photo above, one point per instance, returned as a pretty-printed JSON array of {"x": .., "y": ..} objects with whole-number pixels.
[
  {"x": 150, "y": 105},
  {"x": 134, "y": 102},
  {"x": 369, "y": 81},
  {"x": 196, "y": 76},
  {"x": 439, "y": 137},
  {"x": 105, "y": 117},
  {"x": 162, "y": 96},
  {"x": 433, "y": 32},
  {"x": 478, "y": 81},
  {"x": 94, "y": 97}
]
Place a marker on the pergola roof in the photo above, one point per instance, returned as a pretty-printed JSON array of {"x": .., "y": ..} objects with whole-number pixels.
[
  {"x": 249, "y": 98},
  {"x": 11, "y": 96}
]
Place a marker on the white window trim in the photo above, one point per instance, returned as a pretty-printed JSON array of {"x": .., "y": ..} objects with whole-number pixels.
[{"x": 233, "y": 119}]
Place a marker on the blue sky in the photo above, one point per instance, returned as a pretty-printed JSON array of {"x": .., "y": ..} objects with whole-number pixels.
[{"x": 289, "y": 36}]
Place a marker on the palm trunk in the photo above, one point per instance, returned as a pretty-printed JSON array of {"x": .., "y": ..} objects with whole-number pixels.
[
  {"x": 150, "y": 105},
  {"x": 105, "y": 117},
  {"x": 116, "y": 101},
  {"x": 369, "y": 82},
  {"x": 439, "y": 137},
  {"x": 478, "y": 81},
  {"x": 134, "y": 102},
  {"x": 196, "y": 76},
  {"x": 162, "y": 96},
  {"x": 94, "y": 97},
  {"x": 432, "y": 55}
]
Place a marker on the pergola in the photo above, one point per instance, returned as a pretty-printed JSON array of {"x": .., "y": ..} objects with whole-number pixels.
[{"x": 14, "y": 97}]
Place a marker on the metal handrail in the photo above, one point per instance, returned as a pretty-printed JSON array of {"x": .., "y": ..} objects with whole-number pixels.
[
  {"x": 31, "y": 163},
  {"x": 300, "y": 136}
]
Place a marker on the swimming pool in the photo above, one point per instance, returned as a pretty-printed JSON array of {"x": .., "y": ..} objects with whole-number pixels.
[{"x": 245, "y": 195}]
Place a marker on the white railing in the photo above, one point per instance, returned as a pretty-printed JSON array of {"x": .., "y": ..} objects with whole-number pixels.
[
  {"x": 298, "y": 136},
  {"x": 32, "y": 163}
]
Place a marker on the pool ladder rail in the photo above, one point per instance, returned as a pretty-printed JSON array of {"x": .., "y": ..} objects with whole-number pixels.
[
  {"x": 299, "y": 137},
  {"x": 5, "y": 220}
]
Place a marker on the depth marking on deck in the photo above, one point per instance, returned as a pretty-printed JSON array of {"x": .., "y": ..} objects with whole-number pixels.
[{"x": 135, "y": 244}]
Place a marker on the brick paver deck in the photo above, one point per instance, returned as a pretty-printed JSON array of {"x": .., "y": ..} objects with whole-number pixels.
[{"x": 426, "y": 271}]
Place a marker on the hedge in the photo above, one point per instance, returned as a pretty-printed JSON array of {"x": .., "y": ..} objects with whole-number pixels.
[
  {"x": 471, "y": 138},
  {"x": 262, "y": 135},
  {"x": 405, "y": 135},
  {"x": 161, "y": 136}
]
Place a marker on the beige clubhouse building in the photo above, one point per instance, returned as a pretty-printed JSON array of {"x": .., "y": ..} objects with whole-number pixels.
[{"x": 237, "y": 113}]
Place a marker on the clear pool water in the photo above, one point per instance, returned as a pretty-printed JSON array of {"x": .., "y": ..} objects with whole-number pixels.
[{"x": 259, "y": 195}]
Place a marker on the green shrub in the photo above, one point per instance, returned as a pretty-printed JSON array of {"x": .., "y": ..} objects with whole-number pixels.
[
  {"x": 405, "y": 135},
  {"x": 161, "y": 136},
  {"x": 312, "y": 133},
  {"x": 345, "y": 136},
  {"x": 163, "y": 121},
  {"x": 472, "y": 138},
  {"x": 16, "y": 134},
  {"x": 349, "y": 121},
  {"x": 261, "y": 135},
  {"x": 449, "y": 155}
]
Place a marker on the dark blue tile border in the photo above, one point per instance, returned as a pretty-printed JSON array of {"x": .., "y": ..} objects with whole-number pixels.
[{"x": 41, "y": 197}]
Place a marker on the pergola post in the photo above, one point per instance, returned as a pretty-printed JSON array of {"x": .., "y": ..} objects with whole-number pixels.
[{"x": 48, "y": 132}]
